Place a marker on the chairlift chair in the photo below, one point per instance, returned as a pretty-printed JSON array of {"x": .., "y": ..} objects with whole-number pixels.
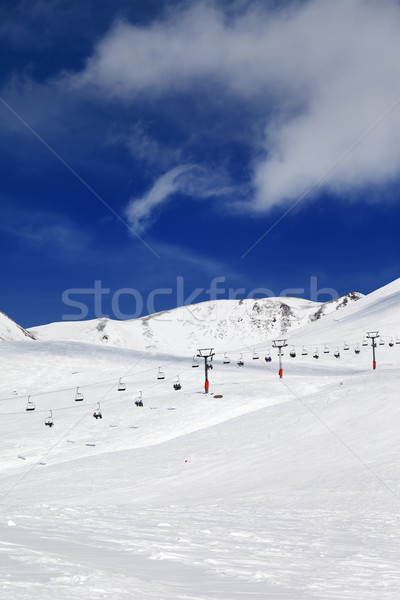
[
  {"x": 391, "y": 343},
  {"x": 292, "y": 353},
  {"x": 139, "y": 400},
  {"x": 316, "y": 353},
  {"x": 304, "y": 351},
  {"x": 121, "y": 385},
  {"x": 357, "y": 349},
  {"x": 381, "y": 342},
  {"x": 337, "y": 353},
  {"x": 346, "y": 346},
  {"x": 49, "y": 420},
  {"x": 256, "y": 356},
  {"x": 195, "y": 362},
  {"x": 226, "y": 360},
  {"x": 78, "y": 396},
  {"x": 365, "y": 342},
  {"x": 240, "y": 362},
  {"x": 326, "y": 349},
  {"x": 97, "y": 413},
  {"x": 30, "y": 405},
  {"x": 268, "y": 357},
  {"x": 397, "y": 340},
  {"x": 160, "y": 374},
  {"x": 177, "y": 384}
]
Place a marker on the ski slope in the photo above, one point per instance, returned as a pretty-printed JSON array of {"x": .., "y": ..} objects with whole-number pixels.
[{"x": 267, "y": 488}]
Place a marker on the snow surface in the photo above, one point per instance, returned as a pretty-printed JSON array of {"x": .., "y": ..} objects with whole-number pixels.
[
  {"x": 9, "y": 330},
  {"x": 281, "y": 488},
  {"x": 219, "y": 323}
]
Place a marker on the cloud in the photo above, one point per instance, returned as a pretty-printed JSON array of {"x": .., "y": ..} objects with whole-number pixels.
[
  {"x": 191, "y": 180},
  {"x": 321, "y": 73},
  {"x": 40, "y": 229}
]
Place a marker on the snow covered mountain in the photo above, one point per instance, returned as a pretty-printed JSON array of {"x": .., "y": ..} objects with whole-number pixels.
[
  {"x": 219, "y": 323},
  {"x": 10, "y": 330},
  {"x": 378, "y": 311}
]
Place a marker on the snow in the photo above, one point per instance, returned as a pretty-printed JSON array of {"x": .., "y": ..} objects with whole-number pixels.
[
  {"x": 9, "y": 330},
  {"x": 219, "y": 323},
  {"x": 282, "y": 488}
]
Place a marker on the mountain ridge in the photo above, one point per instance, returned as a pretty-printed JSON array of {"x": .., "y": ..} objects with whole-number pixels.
[
  {"x": 11, "y": 331},
  {"x": 218, "y": 323}
]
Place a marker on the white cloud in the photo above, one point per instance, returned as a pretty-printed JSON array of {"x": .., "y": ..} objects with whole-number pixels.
[
  {"x": 140, "y": 209},
  {"x": 190, "y": 180},
  {"x": 324, "y": 71}
]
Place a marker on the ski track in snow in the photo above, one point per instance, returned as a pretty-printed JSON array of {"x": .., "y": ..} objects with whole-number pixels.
[{"x": 201, "y": 552}]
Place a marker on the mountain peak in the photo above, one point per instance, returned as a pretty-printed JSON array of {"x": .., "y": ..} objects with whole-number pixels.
[{"x": 11, "y": 331}]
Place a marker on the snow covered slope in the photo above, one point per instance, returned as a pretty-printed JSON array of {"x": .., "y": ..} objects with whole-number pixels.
[
  {"x": 9, "y": 330},
  {"x": 378, "y": 311},
  {"x": 265, "y": 489},
  {"x": 219, "y": 323}
]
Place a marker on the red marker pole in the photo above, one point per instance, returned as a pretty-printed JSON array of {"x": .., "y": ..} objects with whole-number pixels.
[{"x": 280, "y": 363}]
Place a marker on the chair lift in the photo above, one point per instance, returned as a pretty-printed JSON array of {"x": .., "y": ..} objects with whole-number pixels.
[
  {"x": 268, "y": 357},
  {"x": 357, "y": 349},
  {"x": 304, "y": 351},
  {"x": 337, "y": 353},
  {"x": 326, "y": 349},
  {"x": 195, "y": 362},
  {"x": 49, "y": 420},
  {"x": 226, "y": 360},
  {"x": 381, "y": 342},
  {"x": 316, "y": 354},
  {"x": 256, "y": 356},
  {"x": 121, "y": 385},
  {"x": 30, "y": 405},
  {"x": 240, "y": 362},
  {"x": 391, "y": 343},
  {"x": 160, "y": 374},
  {"x": 292, "y": 353},
  {"x": 397, "y": 340},
  {"x": 177, "y": 385},
  {"x": 365, "y": 342},
  {"x": 97, "y": 413},
  {"x": 346, "y": 346},
  {"x": 139, "y": 400},
  {"x": 78, "y": 396}
]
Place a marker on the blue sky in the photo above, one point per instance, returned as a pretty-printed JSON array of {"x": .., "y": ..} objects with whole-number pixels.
[{"x": 150, "y": 145}]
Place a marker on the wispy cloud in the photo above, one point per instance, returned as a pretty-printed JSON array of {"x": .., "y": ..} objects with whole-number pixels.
[
  {"x": 191, "y": 180},
  {"x": 39, "y": 229},
  {"x": 321, "y": 71},
  {"x": 145, "y": 147}
]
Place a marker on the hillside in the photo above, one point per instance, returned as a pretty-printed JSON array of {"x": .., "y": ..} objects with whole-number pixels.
[
  {"x": 11, "y": 331},
  {"x": 219, "y": 323}
]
